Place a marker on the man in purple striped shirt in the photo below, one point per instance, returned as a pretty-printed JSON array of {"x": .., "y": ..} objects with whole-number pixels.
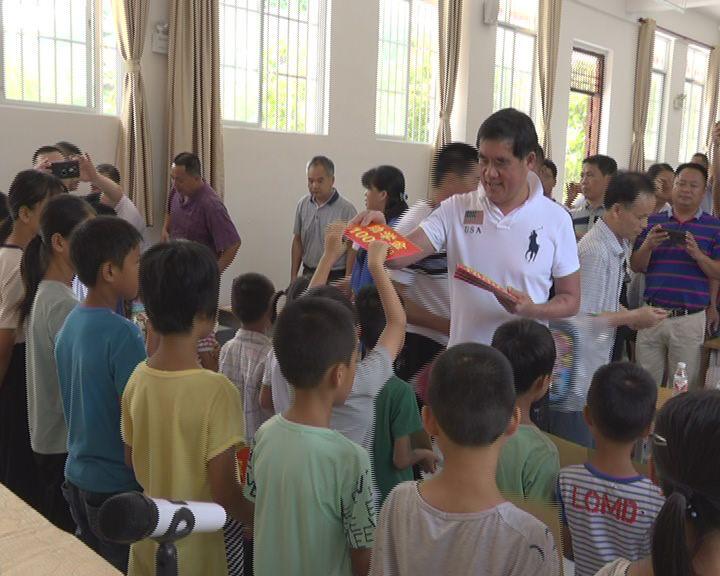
[{"x": 680, "y": 254}]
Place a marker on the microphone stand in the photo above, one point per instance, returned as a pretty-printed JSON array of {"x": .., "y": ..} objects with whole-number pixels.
[
  {"x": 166, "y": 557},
  {"x": 166, "y": 562}
]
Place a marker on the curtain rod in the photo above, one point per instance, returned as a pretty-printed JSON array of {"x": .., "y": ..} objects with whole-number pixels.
[{"x": 680, "y": 36}]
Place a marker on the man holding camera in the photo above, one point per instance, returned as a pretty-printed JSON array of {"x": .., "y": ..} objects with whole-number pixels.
[{"x": 679, "y": 252}]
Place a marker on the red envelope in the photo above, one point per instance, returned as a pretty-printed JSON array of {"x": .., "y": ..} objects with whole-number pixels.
[
  {"x": 399, "y": 246},
  {"x": 467, "y": 274}
]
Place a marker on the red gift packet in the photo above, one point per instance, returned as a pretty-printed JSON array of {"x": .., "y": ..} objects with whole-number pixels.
[
  {"x": 399, "y": 246},
  {"x": 467, "y": 274}
]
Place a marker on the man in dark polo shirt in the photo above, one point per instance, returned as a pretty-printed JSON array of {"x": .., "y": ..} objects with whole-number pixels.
[
  {"x": 314, "y": 212},
  {"x": 679, "y": 252},
  {"x": 195, "y": 212}
]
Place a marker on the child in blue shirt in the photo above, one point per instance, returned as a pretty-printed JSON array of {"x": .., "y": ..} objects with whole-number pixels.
[{"x": 96, "y": 352}]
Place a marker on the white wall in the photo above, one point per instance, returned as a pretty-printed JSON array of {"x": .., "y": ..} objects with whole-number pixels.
[
  {"x": 25, "y": 129},
  {"x": 607, "y": 27},
  {"x": 265, "y": 171}
]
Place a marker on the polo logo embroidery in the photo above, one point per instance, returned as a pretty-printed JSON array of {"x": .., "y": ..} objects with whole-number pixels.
[
  {"x": 533, "y": 247},
  {"x": 473, "y": 217}
]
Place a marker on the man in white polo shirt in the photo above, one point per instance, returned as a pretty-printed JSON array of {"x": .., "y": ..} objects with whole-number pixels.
[{"x": 507, "y": 230}]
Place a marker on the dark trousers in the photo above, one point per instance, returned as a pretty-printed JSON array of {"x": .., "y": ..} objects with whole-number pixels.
[
  {"x": 51, "y": 472},
  {"x": 17, "y": 465},
  {"x": 334, "y": 275},
  {"x": 85, "y": 507},
  {"x": 417, "y": 352}
]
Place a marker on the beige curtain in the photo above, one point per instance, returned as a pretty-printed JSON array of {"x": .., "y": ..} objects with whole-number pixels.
[
  {"x": 549, "y": 15},
  {"x": 641, "y": 99},
  {"x": 712, "y": 85},
  {"x": 133, "y": 156},
  {"x": 195, "y": 122},
  {"x": 450, "y": 20}
]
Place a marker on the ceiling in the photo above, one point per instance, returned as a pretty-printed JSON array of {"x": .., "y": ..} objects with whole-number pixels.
[
  {"x": 707, "y": 8},
  {"x": 711, "y": 11}
]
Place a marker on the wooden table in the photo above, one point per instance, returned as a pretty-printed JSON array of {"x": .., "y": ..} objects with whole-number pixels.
[
  {"x": 710, "y": 345},
  {"x": 32, "y": 546}
]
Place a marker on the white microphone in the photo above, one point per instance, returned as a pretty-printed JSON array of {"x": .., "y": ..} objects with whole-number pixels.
[{"x": 132, "y": 516}]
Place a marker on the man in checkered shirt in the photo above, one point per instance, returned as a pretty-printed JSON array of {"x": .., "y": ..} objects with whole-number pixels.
[{"x": 603, "y": 252}]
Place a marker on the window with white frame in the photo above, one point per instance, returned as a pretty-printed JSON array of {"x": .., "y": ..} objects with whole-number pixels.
[
  {"x": 273, "y": 62},
  {"x": 515, "y": 55},
  {"x": 407, "y": 72},
  {"x": 60, "y": 53},
  {"x": 658, "y": 96},
  {"x": 694, "y": 122}
]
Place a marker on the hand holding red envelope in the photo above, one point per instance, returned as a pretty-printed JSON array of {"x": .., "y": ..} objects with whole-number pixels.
[
  {"x": 399, "y": 246},
  {"x": 467, "y": 274}
]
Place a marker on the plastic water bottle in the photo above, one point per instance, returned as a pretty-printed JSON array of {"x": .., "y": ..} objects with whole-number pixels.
[{"x": 680, "y": 379}]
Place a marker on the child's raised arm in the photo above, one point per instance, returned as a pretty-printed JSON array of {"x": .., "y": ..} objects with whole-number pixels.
[
  {"x": 333, "y": 250},
  {"x": 393, "y": 335}
]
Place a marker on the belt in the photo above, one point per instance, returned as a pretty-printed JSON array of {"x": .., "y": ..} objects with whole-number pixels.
[{"x": 675, "y": 312}]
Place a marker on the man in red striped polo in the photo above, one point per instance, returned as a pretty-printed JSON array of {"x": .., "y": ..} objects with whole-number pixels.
[{"x": 680, "y": 254}]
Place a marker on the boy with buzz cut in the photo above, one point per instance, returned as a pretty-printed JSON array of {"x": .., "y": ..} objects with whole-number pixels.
[
  {"x": 182, "y": 424},
  {"x": 397, "y": 418},
  {"x": 457, "y": 522},
  {"x": 96, "y": 351},
  {"x": 608, "y": 509},
  {"x": 243, "y": 358},
  {"x": 529, "y": 462},
  {"x": 354, "y": 417},
  {"x": 311, "y": 485}
]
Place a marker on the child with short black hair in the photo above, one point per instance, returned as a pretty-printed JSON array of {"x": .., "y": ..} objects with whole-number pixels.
[
  {"x": 457, "y": 522},
  {"x": 529, "y": 462},
  {"x": 396, "y": 414},
  {"x": 182, "y": 424},
  {"x": 311, "y": 486},
  {"x": 608, "y": 508},
  {"x": 96, "y": 351},
  {"x": 354, "y": 418},
  {"x": 685, "y": 454},
  {"x": 243, "y": 358}
]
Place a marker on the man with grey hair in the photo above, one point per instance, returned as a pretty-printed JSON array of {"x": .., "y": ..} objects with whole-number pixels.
[{"x": 314, "y": 212}]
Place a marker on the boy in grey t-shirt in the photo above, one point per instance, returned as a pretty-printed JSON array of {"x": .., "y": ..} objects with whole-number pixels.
[
  {"x": 457, "y": 522},
  {"x": 354, "y": 418}
]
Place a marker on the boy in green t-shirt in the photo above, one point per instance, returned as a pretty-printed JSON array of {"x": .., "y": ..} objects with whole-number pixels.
[
  {"x": 311, "y": 486},
  {"x": 529, "y": 462},
  {"x": 396, "y": 417}
]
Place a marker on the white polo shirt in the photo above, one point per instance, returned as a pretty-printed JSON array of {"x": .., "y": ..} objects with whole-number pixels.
[{"x": 525, "y": 249}]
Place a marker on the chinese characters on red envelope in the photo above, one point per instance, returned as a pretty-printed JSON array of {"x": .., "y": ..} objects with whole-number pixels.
[
  {"x": 399, "y": 246},
  {"x": 467, "y": 274}
]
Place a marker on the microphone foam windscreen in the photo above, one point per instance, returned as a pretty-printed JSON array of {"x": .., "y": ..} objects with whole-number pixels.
[{"x": 127, "y": 518}]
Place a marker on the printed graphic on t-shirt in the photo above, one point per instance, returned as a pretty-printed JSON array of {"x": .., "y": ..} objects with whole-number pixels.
[
  {"x": 472, "y": 221},
  {"x": 533, "y": 247},
  {"x": 565, "y": 336},
  {"x": 358, "y": 514}
]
